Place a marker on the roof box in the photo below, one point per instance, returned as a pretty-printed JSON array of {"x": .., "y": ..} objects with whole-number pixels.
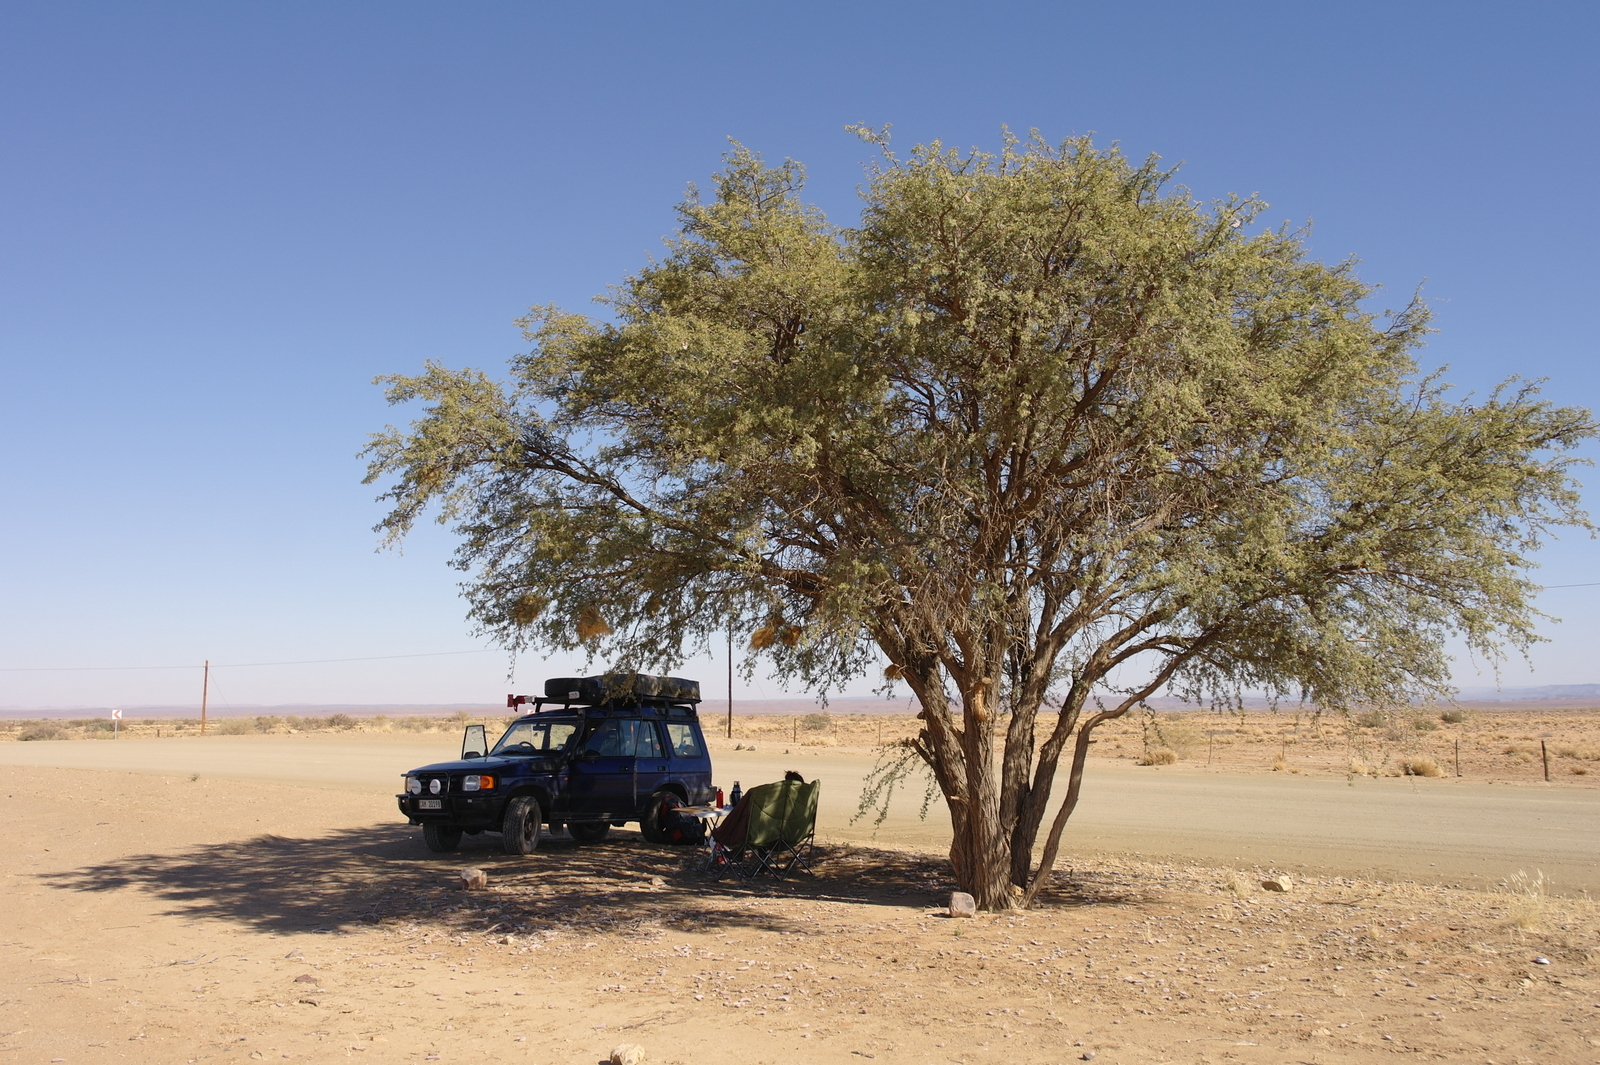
[{"x": 621, "y": 685}]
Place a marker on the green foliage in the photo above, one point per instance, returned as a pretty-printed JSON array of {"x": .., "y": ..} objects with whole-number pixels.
[
  {"x": 1033, "y": 423},
  {"x": 42, "y": 732},
  {"x": 816, "y": 722}
]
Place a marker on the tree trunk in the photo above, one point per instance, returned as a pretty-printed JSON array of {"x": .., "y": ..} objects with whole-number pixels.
[{"x": 980, "y": 837}]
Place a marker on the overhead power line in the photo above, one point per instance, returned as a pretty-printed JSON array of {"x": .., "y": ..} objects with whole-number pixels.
[{"x": 234, "y": 665}]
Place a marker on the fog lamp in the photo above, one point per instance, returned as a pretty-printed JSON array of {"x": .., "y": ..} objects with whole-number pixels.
[
  {"x": 413, "y": 786},
  {"x": 433, "y": 786}
]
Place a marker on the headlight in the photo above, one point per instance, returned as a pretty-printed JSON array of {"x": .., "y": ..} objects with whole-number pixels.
[
  {"x": 477, "y": 783},
  {"x": 413, "y": 786}
]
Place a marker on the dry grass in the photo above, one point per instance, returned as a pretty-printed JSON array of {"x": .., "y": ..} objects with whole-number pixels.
[
  {"x": 1529, "y": 904},
  {"x": 1420, "y": 766},
  {"x": 1499, "y": 745},
  {"x": 1160, "y": 756}
]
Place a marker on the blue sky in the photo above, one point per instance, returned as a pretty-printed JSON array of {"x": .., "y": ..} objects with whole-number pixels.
[{"x": 220, "y": 221}]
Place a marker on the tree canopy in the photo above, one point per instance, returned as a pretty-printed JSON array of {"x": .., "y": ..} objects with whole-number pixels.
[{"x": 1039, "y": 426}]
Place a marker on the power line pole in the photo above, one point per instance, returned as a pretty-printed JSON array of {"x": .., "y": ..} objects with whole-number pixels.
[
  {"x": 730, "y": 682},
  {"x": 205, "y": 692}
]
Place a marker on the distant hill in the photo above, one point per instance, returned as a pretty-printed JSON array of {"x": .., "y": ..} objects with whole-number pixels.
[
  {"x": 1552, "y": 696},
  {"x": 1574, "y": 693}
]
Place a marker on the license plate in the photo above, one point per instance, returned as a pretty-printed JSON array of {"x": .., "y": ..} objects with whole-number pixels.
[{"x": 430, "y": 804}]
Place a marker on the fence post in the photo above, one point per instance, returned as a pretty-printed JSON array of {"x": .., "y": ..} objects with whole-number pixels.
[
  {"x": 1544, "y": 753},
  {"x": 1458, "y": 758}
]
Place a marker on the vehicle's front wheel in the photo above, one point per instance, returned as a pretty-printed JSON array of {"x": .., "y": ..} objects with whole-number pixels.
[
  {"x": 441, "y": 839},
  {"x": 589, "y": 831},
  {"x": 522, "y": 826}
]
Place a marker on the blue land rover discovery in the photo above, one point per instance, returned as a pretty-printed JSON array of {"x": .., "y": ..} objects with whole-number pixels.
[{"x": 591, "y": 753}]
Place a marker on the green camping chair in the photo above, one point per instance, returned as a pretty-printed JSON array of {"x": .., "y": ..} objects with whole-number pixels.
[{"x": 781, "y": 830}]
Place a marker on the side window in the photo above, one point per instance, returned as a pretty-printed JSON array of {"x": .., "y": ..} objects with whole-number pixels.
[
  {"x": 614, "y": 739},
  {"x": 649, "y": 741},
  {"x": 680, "y": 736}
]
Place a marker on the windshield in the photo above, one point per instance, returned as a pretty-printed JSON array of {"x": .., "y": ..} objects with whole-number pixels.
[{"x": 535, "y": 736}]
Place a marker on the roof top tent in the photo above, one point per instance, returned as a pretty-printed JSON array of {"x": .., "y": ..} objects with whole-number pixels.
[{"x": 616, "y": 691}]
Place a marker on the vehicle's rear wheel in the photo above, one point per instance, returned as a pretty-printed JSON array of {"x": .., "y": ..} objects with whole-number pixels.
[
  {"x": 441, "y": 839},
  {"x": 522, "y": 827},
  {"x": 588, "y": 831},
  {"x": 652, "y": 824}
]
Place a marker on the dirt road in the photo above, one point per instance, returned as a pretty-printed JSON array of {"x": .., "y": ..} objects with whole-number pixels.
[{"x": 1432, "y": 831}]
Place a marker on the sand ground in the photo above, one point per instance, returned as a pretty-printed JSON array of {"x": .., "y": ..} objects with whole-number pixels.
[{"x": 269, "y": 904}]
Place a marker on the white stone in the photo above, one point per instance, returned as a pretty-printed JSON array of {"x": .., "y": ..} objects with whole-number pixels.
[
  {"x": 1278, "y": 883},
  {"x": 963, "y": 905},
  {"x": 474, "y": 879},
  {"x": 627, "y": 1054}
]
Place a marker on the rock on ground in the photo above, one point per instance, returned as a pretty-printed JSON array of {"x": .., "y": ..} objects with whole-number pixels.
[{"x": 627, "y": 1054}]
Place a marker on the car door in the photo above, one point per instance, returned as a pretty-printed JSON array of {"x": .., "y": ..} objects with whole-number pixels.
[
  {"x": 602, "y": 774},
  {"x": 650, "y": 761}
]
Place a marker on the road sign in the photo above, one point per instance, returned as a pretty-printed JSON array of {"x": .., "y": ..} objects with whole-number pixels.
[{"x": 116, "y": 715}]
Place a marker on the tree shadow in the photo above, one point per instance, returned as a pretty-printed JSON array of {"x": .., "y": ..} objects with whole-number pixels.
[{"x": 382, "y": 874}]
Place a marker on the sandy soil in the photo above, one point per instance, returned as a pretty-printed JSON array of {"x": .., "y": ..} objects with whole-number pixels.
[{"x": 169, "y": 919}]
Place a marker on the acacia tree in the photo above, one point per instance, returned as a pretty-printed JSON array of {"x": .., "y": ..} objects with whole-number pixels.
[{"x": 1035, "y": 429}]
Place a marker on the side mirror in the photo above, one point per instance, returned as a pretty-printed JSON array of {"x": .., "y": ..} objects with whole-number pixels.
[
  {"x": 474, "y": 744},
  {"x": 589, "y": 756}
]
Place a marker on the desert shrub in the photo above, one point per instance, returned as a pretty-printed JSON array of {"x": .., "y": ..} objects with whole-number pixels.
[
  {"x": 1453, "y": 716},
  {"x": 1360, "y": 768},
  {"x": 816, "y": 722},
  {"x": 1423, "y": 723},
  {"x": 43, "y": 732},
  {"x": 1173, "y": 732},
  {"x": 1421, "y": 766},
  {"x": 267, "y": 722},
  {"x": 1372, "y": 719},
  {"x": 1580, "y": 770},
  {"x": 1160, "y": 756},
  {"x": 236, "y": 726},
  {"x": 344, "y": 721}
]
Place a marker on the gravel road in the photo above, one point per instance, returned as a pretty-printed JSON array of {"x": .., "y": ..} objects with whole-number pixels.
[{"x": 1439, "y": 831}]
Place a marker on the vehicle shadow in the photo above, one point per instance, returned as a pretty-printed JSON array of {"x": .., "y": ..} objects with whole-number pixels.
[{"x": 382, "y": 874}]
